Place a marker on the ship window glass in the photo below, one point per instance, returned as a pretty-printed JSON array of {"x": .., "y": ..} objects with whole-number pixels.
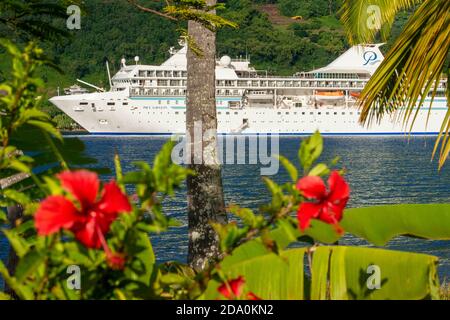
[
  {"x": 279, "y": 112},
  {"x": 287, "y": 112},
  {"x": 351, "y": 113},
  {"x": 220, "y": 112},
  {"x": 319, "y": 112},
  {"x": 125, "y": 103},
  {"x": 343, "y": 113},
  {"x": 311, "y": 113},
  {"x": 303, "y": 113},
  {"x": 335, "y": 113},
  {"x": 235, "y": 113},
  {"x": 83, "y": 103},
  {"x": 176, "y": 112},
  {"x": 227, "y": 113},
  {"x": 110, "y": 103}
]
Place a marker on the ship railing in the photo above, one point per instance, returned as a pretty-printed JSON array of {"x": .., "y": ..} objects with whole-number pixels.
[{"x": 180, "y": 91}]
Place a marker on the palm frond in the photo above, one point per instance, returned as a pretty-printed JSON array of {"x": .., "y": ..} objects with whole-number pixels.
[
  {"x": 363, "y": 19},
  {"x": 412, "y": 70}
]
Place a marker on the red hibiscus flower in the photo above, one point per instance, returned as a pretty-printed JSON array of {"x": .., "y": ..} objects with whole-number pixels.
[
  {"x": 327, "y": 205},
  {"x": 90, "y": 219},
  {"x": 116, "y": 261},
  {"x": 233, "y": 289}
]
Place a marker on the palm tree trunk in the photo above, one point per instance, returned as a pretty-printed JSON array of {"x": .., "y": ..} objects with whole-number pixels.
[{"x": 204, "y": 190}]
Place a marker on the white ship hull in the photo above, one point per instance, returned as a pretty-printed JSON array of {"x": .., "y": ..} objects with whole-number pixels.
[{"x": 165, "y": 116}]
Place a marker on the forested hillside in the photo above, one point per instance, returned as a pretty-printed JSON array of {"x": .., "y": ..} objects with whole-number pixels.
[
  {"x": 281, "y": 36},
  {"x": 114, "y": 29}
]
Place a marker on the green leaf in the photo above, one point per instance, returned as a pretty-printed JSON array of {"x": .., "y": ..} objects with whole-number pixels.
[
  {"x": 402, "y": 275},
  {"x": 268, "y": 276},
  {"x": 379, "y": 224},
  {"x": 19, "y": 166},
  {"x": 3, "y": 217},
  {"x": 23, "y": 291},
  {"x": 322, "y": 232},
  {"x": 138, "y": 247},
  {"x": 319, "y": 273},
  {"x": 118, "y": 167},
  {"x": 47, "y": 127},
  {"x": 310, "y": 150},
  {"x": 248, "y": 250},
  {"x": 19, "y": 244},
  {"x": 290, "y": 168},
  {"x": 319, "y": 170},
  {"x": 17, "y": 196},
  {"x": 4, "y": 296},
  {"x": 28, "y": 264}
]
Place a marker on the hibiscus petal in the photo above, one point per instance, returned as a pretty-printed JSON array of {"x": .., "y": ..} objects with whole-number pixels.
[
  {"x": 252, "y": 296},
  {"x": 82, "y": 184},
  {"x": 339, "y": 189},
  {"x": 312, "y": 187},
  {"x": 113, "y": 200},
  {"x": 327, "y": 215},
  {"x": 237, "y": 286},
  {"x": 54, "y": 213},
  {"x": 225, "y": 291},
  {"x": 306, "y": 212},
  {"x": 338, "y": 208},
  {"x": 232, "y": 289},
  {"x": 86, "y": 234}
]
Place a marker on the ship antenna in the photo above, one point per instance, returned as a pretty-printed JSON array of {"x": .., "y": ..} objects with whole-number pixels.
[{"x": 109, "y": 74}]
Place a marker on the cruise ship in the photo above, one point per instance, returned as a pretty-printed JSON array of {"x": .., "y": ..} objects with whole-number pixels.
[{"x": 148, "y": 99}]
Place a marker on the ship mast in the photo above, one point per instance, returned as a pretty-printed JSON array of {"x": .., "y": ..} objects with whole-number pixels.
[{"x": 109, "y": 74}]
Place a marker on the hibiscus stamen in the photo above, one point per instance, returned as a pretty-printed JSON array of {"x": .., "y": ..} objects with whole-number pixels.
[
  {"x": 103, "y": 241},
  {"x": 114, "y": 260}
]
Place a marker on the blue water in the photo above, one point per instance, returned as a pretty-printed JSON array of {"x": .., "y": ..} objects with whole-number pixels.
[{"x": 380, "y": 170}]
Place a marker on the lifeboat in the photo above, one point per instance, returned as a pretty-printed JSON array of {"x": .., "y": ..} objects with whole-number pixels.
[
  {"x": 329, "y": 95},
  {"x": 355, "y": 94}
]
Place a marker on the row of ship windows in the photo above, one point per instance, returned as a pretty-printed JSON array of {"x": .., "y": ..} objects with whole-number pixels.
[
  {"x": 253, "y": 122},
  {"x": 287, "y": 113},
  {"x": 219, "y": 102},
  {"x": 108, "y": 103}
]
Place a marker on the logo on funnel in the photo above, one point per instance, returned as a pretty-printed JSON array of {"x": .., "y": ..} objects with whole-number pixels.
[{"x": 370, "y": 57}]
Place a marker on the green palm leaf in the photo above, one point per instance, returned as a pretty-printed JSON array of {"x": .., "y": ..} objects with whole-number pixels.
[
  {"x": 412, "y": 68},
  {"x": 363, "y": 19}
]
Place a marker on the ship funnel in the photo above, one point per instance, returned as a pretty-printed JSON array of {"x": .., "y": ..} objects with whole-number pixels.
[{"x": 361, "y": 58}]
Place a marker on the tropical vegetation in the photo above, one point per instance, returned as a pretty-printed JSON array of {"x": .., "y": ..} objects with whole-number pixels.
[{"x": 79, "y": 238}]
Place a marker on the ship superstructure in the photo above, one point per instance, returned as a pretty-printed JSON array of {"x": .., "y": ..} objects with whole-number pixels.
[{"x": 146, "y": 99}]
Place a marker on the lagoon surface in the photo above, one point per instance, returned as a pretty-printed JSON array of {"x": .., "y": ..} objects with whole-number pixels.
[{"x": 380, "y": 170}]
